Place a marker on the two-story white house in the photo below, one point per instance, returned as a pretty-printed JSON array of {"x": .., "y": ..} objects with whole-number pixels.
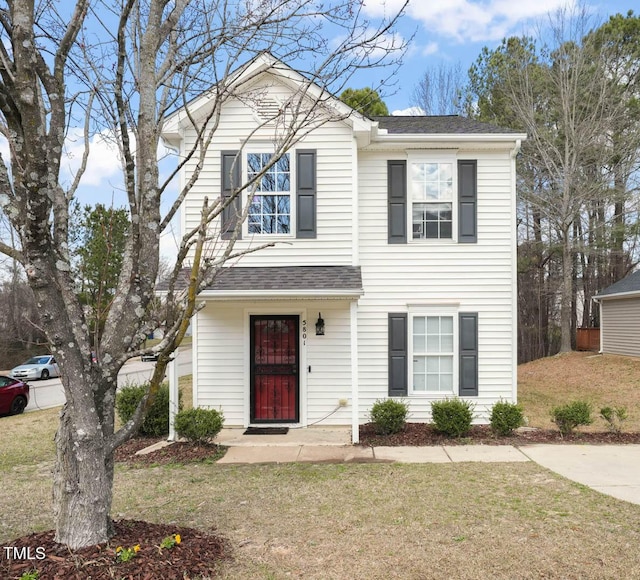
[{"x": 393, "y": 272}]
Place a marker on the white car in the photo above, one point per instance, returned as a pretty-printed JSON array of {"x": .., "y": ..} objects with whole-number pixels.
[{"x": 37, "y": 367}]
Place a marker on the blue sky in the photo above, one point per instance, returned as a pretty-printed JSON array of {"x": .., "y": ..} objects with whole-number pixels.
[
  {"x": 453, "y": 31},
  {"x": 448, "y": 31}
]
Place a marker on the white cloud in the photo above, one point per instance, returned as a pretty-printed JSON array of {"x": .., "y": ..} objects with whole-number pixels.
[
  {"x": 430, "y": 49},
  {"x": 409, "y": 112},
  {"x": 377, "y": 47},
  {"x": 103, "y": 163},
  {"x": 470, "y": 20}
]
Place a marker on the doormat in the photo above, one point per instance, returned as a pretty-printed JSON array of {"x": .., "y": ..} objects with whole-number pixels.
[{"x": 266, "y": 431}]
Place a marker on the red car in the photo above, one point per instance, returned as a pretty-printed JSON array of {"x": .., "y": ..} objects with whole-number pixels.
[{"x": 14, "y": 396}]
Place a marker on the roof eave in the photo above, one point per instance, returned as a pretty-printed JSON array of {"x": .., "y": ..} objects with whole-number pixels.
[
  {"x": 628, "y": 294},
  {"x": 347, "y": 293},
  {"x": 438, "y": 137}
]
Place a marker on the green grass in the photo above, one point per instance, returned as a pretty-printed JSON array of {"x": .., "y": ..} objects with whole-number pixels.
[
  {"x": 28, "y": 439},
  {"x": 377, "y": 521}
]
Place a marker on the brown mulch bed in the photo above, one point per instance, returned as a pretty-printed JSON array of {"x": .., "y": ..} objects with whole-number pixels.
[
  {"x": 178, "y": 452},
  {"x": 424, "y": 434},
  {"x": 198, "y": 554}
]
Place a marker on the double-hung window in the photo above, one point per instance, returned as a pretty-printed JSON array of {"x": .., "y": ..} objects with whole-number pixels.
[
  {"x": 431, "y": 186},
  {"x": 433, "y": 353},
  {"x": 270, "y": 209}
]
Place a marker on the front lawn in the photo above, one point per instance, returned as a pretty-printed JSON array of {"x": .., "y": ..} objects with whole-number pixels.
[
  {"x": 601, "y": 379},
  {"x": 375, "y": 521}
]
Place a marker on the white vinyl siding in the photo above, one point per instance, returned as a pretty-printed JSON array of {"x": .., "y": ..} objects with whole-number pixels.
[
  {"x": 436, "y": 273},
  {"x": 620, "y": 326},
  {"x": 335, "y": 170},
  {"x": 223, "y": 354},
  {"x": 464, "y": 277}
]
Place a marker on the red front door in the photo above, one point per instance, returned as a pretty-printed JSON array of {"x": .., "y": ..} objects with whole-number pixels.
[{"x": 274, "y": 369}]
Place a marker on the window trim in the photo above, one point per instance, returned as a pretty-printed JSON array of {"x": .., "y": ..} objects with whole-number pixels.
[
  {"x": 433, "y": 157},
  {"x": 257, "y": 148},
  {"x": 441, "y": 312}
]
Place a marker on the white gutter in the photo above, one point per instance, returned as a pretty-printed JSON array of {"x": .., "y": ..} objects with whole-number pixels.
[
  {"x": 312, "y": 293},
  {"x": 451, "y": 137},
  {"x": 629, "y": 294}
]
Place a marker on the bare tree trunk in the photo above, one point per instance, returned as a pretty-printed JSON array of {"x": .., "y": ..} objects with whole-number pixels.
[
  {"x": 82, "y": 485},
  {"x": 157, "y": 58},
  {"x": 618, "y": 270},
  {"x": 566, "y": 293}
]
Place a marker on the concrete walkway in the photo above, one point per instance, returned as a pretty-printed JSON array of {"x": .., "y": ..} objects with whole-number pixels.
[
  {"x": 354, "y": 453},
  {"x": 610, "y": 469}
]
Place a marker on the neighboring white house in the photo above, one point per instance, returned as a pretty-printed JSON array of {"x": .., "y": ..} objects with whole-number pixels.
[{"x": 393, "y": 275}]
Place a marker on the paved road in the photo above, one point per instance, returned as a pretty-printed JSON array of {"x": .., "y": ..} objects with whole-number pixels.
[{"x": 49, "y": 393}]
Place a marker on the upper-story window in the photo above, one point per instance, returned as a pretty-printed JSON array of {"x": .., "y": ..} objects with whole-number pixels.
[
  {"x": 431, "y": 190},
  {"x": 270, "y": 210}
]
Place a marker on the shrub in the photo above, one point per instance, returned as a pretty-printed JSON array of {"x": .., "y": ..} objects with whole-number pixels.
[
  {"x": 156, "y": 423},
  {"x": 568, "y": 417},
  {"x": 452, "y": 416},
  {"x": 389, "y": 416},
  {"x": 198, "y": 425},
  {"x": 506, "y": 417},
  {"x": 614, "y": 417}
]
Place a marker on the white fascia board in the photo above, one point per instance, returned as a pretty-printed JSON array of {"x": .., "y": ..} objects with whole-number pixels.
[
  {"x": 267, "y": 63},
  {"x": 445, "y": 140},
  {"x": 619, "y": 295},
  {"x": 174, "y": 122},
  {"x": 349, "y": 294}
]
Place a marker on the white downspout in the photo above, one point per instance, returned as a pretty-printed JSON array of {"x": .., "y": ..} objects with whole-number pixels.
[
  {"x": 514, "y": 273},
  {"x": 599, "y": 303},
  {"x": 353, "y": 306},
  {"x": 355, "y": 420},
  {"x": 174, "y": 395}
]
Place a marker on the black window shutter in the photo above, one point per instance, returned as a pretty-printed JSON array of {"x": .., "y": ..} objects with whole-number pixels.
[
  {"x": 306, "y": 193},
  {"x": 467, "y": 201},
  {"x": 397, "y": 201},
  {"x": 398, "y": 362},
  {"x": 468, "y": 353},
  {"x": 231, "y": 178}
]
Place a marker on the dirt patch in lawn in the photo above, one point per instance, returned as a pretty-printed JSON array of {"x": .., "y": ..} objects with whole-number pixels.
[
  {"x": 193, "y": 553},
  {"x": 599, "y": 379}
]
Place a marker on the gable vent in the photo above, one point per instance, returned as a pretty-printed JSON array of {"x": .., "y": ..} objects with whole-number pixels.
[{"x": 268, "y": 108}]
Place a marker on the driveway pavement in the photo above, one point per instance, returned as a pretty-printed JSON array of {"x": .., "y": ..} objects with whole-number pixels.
[{"x": 610, "y": 469}]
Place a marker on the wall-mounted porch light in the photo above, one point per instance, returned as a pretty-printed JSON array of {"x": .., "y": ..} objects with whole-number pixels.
[{"x": 320, "y": 325}]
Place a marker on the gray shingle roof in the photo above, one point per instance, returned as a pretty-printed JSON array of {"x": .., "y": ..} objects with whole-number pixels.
[
  {"x": 629, "y": 284},
  {"x": 438, "y": 124},
  {"x": 319, "y": 278},
  {"x": 289, "y": 278}
]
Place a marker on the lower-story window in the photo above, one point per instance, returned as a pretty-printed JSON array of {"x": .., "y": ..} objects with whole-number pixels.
[{"x": 433, "y": 353}]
